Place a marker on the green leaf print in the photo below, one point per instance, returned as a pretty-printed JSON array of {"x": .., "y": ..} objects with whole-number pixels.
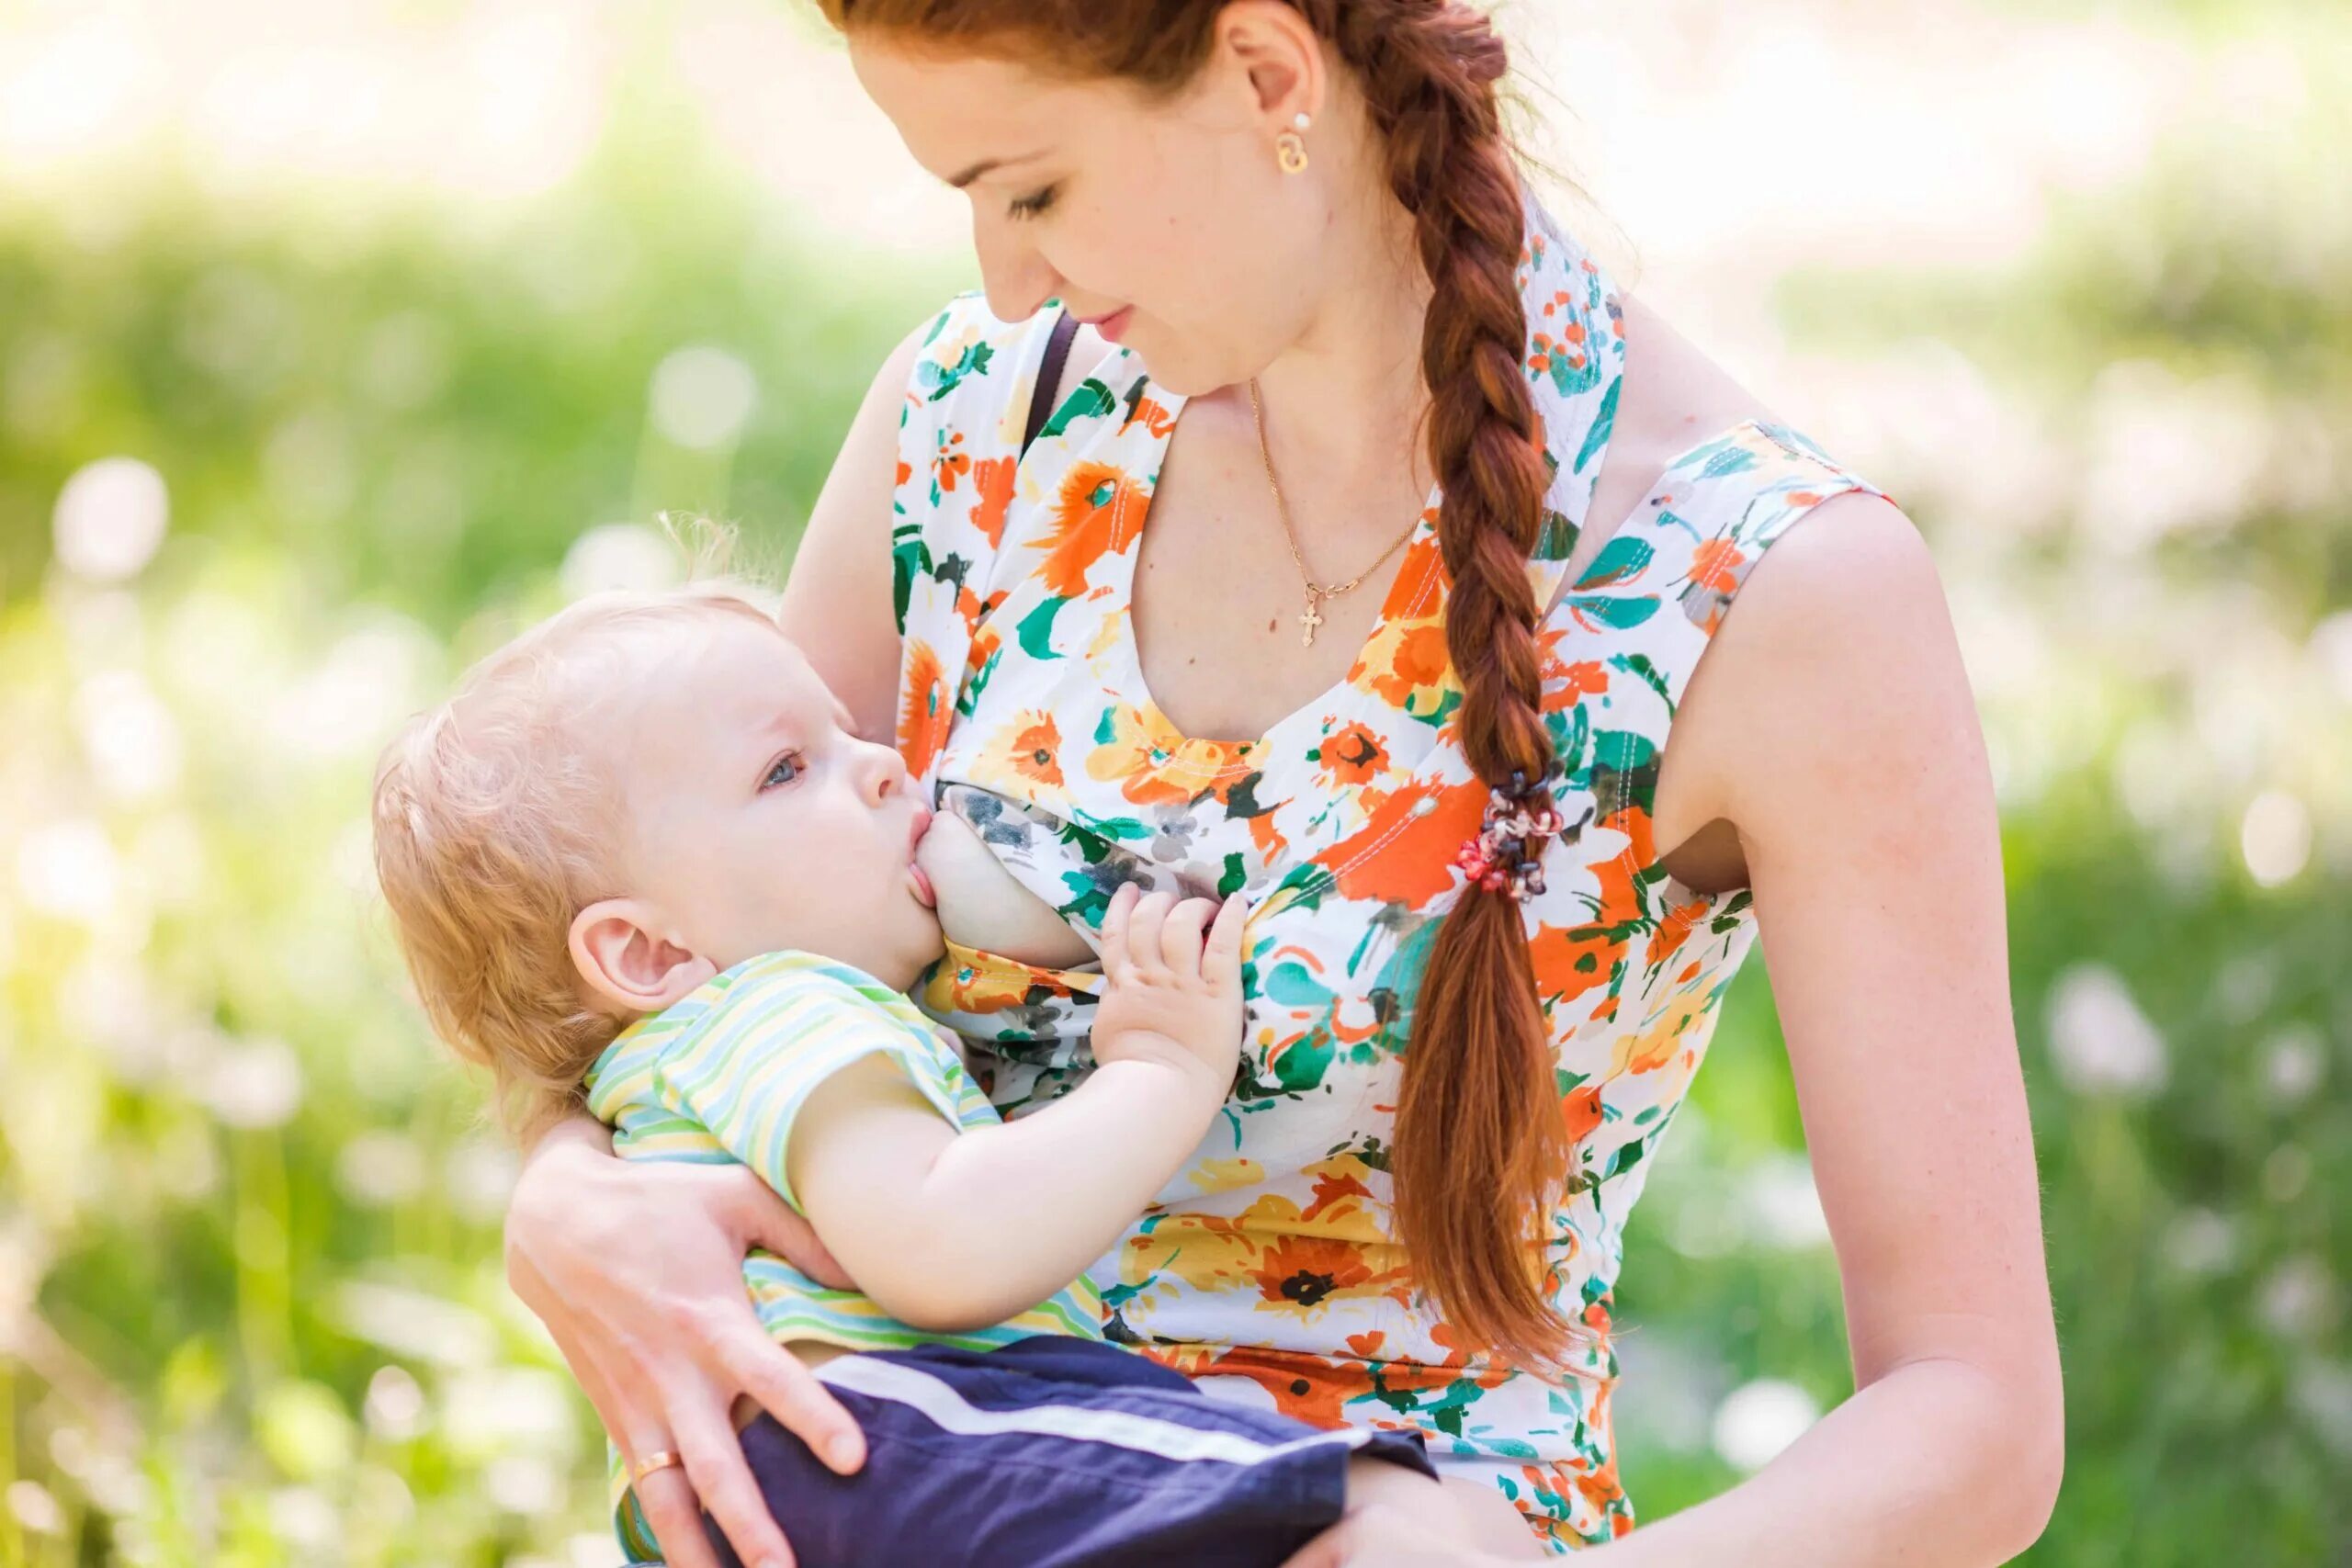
[
  {"x": 1037, "y": 630},
  {"x": 1630, "y": 610},
  {"x": 938, "y": 381},
  {"x": 967, "y": 701},
  {"x": 1235, "y": 874},
  {"x": 1558, "y": 540},
  {"x": 1602, "y": 423},
  {"x": 1625, "y": 772},
  {"x": 1293, "y": 985},
  {"x": 1642, "y": 665},
  {"x": 1621, "y": 558},
  {"x": 909, "y": 555},
  {"x": 1091, "y": 400},
  {"x": 1732, "y": 459}
]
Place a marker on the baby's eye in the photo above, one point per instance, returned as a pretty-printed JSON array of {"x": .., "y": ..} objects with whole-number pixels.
[{"x": 786, "y": 769}]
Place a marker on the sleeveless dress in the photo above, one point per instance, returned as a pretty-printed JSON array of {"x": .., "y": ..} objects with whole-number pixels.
[{"x": 1266, "y": 1270}]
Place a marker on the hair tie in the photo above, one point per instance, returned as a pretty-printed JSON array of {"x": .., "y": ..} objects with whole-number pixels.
[{"x": 1521, "y": 818}]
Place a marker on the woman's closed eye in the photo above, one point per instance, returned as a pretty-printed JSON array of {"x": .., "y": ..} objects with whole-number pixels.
[
  {"x": 1031, "y": 206},
  {"x": 789, "y": 766}
]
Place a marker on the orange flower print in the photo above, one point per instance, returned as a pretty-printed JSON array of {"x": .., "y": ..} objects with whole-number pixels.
[
  {"x": 1353, "y": 756},
  {"x": 1028, "y": 750},
  {"x": 1299, "y": 1273},
  {"x": 1404, "y": 854},
  {"x": 1407, "y": 665},
  {"x": 1654, "y": 1045},
  {"x": 1156, "y": 766},
  {"x": 992, "y": 477},
  {"x": 948, "y": 464},
  {"x": 1095, "y": 513},
  {"x": 926, "y": 709}
]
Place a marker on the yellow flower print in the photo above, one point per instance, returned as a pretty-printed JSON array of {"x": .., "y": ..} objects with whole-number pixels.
[{"x": 1656, "y": 1044}]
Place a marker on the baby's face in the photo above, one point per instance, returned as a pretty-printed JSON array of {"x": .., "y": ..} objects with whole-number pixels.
[{"x": 756, "y": 820}]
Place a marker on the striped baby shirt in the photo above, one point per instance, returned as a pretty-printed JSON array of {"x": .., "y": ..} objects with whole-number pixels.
[{"x": 720, "y": 1077}]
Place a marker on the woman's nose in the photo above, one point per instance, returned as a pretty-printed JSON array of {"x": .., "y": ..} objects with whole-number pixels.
[{"x": 1014, "y": 278}]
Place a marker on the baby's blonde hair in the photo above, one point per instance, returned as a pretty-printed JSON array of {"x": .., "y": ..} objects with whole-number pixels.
[{"x": 496, "y": 815}]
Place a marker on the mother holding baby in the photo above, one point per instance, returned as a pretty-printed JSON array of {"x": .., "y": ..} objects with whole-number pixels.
[{"x": 1370, "y": 557}]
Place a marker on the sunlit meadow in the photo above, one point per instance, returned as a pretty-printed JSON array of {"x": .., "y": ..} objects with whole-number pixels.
[{"x": 335, "y": 342}]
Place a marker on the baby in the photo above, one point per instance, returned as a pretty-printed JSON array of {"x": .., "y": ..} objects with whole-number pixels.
[{"x": 641, "y": 863}]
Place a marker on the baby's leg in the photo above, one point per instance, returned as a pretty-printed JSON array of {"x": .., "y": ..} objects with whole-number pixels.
[{"x": 1460, "y": 1508}]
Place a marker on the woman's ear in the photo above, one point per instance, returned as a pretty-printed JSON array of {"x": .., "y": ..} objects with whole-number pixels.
[
  {"x": 622, "y": 960},
  {"x": 1281, "y": 54}
]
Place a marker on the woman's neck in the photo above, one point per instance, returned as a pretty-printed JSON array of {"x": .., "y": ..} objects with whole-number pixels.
[{"x": 1347, "y": 396}]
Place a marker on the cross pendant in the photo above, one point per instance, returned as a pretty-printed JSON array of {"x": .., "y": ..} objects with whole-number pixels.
[{"x": 1310, "y": 620}]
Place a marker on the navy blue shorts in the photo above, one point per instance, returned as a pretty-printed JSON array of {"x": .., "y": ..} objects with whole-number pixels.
[{"x": 1052, "y": 1453}]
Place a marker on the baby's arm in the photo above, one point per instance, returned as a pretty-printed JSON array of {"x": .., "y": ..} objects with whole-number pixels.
[{"x": 948, "y": 1229}]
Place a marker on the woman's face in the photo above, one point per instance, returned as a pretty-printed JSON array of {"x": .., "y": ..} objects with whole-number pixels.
[{"x": 1172, "y": 211}]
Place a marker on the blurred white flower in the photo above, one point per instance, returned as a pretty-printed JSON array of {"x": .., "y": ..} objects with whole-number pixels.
[
  {"x": 1760, "y": 1418},
  {"x": 353, "y": 698},
  {"x": 617, "y": 554},
  {"x": 500, "y": 1409},
  {"x": 523, "y": 1483},
  {"x": 2166, "y": 456},
  {"x": 702, "y": 397},
  {"x": 129, "y": 736},
  {"x": 480, "y": 1178},
  {"x": 69, "y": 869},
  {"x": 169, "y": 853},
  {"x": 253, "y": 1083},
  {"x": 2293, "y": 1062},
  {"x": 413, "y": 1323},
  {"x": 2200, "y": 1243},
  {"x": 110, "y": 519},
  {"x": 2331, "y": 651},
  {"x": 104, "y": 1000},
  {"x": 593, "y": 1550},
  {"x": 34, "y": 1508},
  {"x": 394, "y": 1408},
  {"x": 2299, "y": 1299},
  {"x": 1783, "y": 1206},
  {"x": 2275, "y": 836},
  {"x": 379, "y": 1169},
  {"x": 302, "y": 1517},
  {"x": 2099, "y": 1040},
  {"x": 2322, "y": 1392}
]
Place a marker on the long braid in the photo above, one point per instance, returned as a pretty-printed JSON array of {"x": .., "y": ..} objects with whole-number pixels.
[{"x": 1481, "y": 1150}]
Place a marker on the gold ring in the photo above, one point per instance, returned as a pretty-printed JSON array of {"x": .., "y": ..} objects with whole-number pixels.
[{"x": 652, "y": 1463}]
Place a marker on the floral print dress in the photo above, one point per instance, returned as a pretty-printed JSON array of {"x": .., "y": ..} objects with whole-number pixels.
[{"x": 1267, "y": 1270}]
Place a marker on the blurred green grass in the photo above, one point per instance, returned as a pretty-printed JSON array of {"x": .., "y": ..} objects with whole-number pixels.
[{"x": 249, "y": 1284}]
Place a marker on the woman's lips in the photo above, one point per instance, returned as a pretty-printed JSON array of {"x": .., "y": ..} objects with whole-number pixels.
[{"x": 1111, "y": 326}]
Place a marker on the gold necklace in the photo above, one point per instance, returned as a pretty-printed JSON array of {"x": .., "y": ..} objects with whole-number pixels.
[{"x": 1313, "y": 616}]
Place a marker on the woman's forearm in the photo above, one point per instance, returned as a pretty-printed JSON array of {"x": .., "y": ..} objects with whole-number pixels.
[{"x": 1937, "y": 1464}]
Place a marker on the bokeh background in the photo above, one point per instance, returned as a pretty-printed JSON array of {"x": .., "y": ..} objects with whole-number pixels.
[{"x": 336, "y": 340}]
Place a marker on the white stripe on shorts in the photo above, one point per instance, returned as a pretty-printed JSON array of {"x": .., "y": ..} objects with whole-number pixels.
[{"x": 948, "y": 1410}]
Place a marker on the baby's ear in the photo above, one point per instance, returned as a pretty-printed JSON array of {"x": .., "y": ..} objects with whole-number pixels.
[{"x": 624, "y": 961}]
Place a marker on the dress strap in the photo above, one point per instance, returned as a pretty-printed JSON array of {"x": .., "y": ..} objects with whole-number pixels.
[{"x": 1049, "y": 378}]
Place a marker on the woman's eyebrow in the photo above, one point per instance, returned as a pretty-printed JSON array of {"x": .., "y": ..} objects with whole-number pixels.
[{"x": 987, "y": 166}]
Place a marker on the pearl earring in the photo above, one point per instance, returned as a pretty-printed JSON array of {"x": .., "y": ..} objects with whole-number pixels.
[{"x": 1290, "y": 147}]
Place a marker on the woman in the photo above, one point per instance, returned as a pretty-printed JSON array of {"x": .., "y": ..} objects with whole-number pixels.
[{"x": 1362, "y": 458}]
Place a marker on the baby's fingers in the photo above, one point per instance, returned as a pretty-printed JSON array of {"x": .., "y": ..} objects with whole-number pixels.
[
  {"x": 1221, "y": 960},
  {"x": 1115, "y": 915},
  {"x": 1180, "y": 939}
]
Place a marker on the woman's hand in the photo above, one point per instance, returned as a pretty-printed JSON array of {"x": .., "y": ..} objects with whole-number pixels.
[{"x": 637, "y": 1269}]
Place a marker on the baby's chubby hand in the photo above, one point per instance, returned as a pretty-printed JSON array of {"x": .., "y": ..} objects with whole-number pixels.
[{"x": 1173, "y": 983}]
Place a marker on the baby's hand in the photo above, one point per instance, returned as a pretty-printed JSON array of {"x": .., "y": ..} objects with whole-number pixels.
[{"x": 1173, "y": 991}]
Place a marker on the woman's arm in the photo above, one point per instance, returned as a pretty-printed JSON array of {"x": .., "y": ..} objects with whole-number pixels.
[
  {"x": 636, "y": 1268},
  {"x": 1833, "y": 719},
  {"x": 1864, "y": 805}
]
